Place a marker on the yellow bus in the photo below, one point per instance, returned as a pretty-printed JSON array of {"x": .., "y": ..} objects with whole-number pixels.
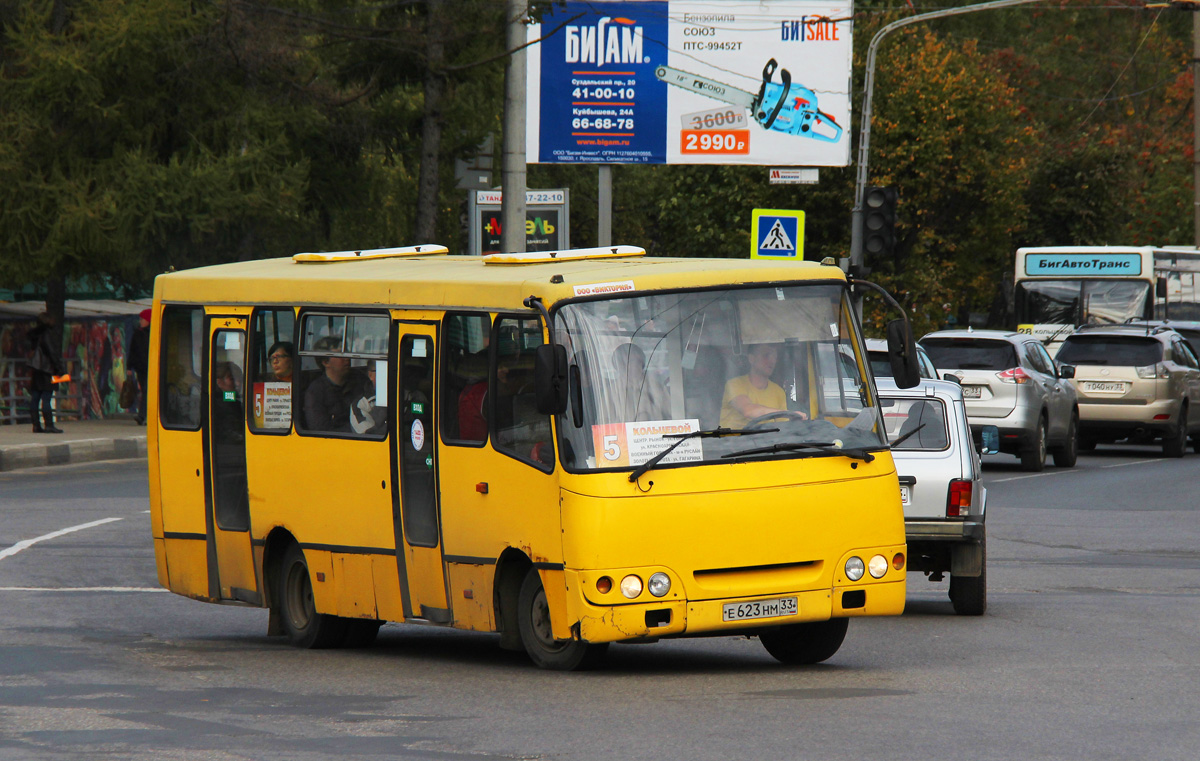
[{"x": 569, "y": 448}]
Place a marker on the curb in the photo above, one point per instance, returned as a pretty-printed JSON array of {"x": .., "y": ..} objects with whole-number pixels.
[{"x": 83, "y": 450}]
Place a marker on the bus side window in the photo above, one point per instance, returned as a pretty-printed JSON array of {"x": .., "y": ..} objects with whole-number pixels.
[
  {"x": 272, "y": 364},
  {"x": 465, "y": 340},
  {"x": 520, "y": 429},
  {"x": 179, "y": 367},
  {"x": 342, "y": 383}
]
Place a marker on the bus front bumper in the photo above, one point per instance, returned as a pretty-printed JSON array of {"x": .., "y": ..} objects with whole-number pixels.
[{"x": 689, "y": 618}]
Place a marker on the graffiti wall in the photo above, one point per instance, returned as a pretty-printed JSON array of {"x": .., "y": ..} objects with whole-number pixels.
[{"x": 94, "y": 351}]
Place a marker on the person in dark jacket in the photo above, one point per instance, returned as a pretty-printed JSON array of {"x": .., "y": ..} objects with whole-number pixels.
[
  {"x": 45, "y": 363},
  {"x": 139, "y": 361}
]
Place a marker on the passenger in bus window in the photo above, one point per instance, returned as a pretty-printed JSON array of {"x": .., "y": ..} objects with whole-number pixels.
[
  {"x": 366, "y": 416},
  {"x": 226, "y": 402},
  {"x": 640, "y": 395},
  {"x": 753, "y": 394},
  {"x": 328, "y": 398},
  {"x": 281, "y": 355},
  {"x": 472, "y": 420}
]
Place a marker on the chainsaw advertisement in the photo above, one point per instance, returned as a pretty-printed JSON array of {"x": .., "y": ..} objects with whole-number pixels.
[{"x": 691, "y": 82}]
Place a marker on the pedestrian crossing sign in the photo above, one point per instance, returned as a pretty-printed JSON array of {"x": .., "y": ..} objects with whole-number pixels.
[{"x": 777, "y": 234}]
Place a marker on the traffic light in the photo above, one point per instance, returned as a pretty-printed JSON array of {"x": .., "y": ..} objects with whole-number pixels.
[{"x": 879, "y": 223}]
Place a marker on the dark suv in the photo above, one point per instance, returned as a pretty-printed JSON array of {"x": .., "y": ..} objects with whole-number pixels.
[{"x": 1138, "y": 382}]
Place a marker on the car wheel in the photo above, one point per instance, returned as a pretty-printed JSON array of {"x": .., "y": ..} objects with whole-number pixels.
[
  {"x": 533, "y": 621},
  {"x": 1034, "y": 458},
  {"x": 802, "y": 644},
  {"x": 1175, "y": 442},
  {"x": 1066, "y": 455},
  {"x": 304, "y": 626},
  {"x": 968, "y": 594}
]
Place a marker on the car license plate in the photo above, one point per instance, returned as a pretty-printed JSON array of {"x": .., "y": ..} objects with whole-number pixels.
[
  {"x": 972, "y": 392},
  {"x": 905, "y": 495},
  {"x": 741, "y": 611},
  {"x": 1100, "y": 387}
]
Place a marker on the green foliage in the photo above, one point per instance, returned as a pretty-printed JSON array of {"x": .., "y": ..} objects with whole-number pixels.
[
  {"x": 142, "y": 134},
  {"x": 134, "y": 140}
]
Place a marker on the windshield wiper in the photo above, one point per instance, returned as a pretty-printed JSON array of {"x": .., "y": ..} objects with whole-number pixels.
[
  {"x": 906, "y": 436},
  {"x": 712, "y": 433},
  {"x": 828, "y": 447}
]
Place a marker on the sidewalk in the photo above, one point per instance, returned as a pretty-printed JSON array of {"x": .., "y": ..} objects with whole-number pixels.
[{"x": 81, "y": 441}]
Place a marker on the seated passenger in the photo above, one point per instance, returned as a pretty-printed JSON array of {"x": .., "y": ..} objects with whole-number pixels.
[
  {"x": 472, "y": 417},
  {"x": 327, "y": 399},
  {"x": 365, "y": 415},
  {"x": 638, "y": 394},
  {"x": 227, "y": 403},
  {"x": 281, "y": 355},
  {"x": 749, "y": 396}
]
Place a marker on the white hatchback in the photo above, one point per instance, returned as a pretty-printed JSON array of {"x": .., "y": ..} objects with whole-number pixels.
[{"x": 941, "y": 486}]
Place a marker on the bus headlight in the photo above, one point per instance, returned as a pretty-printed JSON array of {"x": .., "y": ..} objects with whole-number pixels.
[
  {"x": 631, "y": 586},
  {"x": 659, "y": 584},
  {"x": 878, "y": 566},
  {"x": 855, "y": 568}
]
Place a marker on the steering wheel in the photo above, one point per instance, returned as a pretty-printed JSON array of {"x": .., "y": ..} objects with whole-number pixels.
[{"x": 777, "y": 415}]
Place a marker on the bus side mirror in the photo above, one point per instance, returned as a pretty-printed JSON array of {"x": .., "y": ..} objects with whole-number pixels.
[
  {"x": 550, "y": 379},
  {"x": 902, "y": 354},
  {"x": 1160, "y": 287}
]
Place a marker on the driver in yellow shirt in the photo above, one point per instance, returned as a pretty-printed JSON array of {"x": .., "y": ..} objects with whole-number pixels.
[{"x": 749, "y": 396}]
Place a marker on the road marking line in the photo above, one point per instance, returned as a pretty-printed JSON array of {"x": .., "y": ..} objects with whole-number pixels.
[
  {"x": 1073, "y": 470},
  {"x": 83, "y": 589},
  {"x": 1034, "y": 475},
  {"x": 27, "y": 543},
  {"x": 1135, "y": 462}
]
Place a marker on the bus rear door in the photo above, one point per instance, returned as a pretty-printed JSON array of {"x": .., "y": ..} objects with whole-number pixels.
[
  {"x": 228, "y": 500},
  {"x": 415, "y": 506}
]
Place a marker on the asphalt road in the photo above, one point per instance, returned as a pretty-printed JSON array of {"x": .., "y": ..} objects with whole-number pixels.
[{"x": 1088, "y": 651}]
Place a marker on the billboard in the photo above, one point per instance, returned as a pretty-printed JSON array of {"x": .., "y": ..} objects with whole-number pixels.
[
  {"x": 691, "y": 82},
  {"x": 547, "y": 220}
]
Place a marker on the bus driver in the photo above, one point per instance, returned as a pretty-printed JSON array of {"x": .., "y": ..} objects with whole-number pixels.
[{"x": 748, "y": 396}]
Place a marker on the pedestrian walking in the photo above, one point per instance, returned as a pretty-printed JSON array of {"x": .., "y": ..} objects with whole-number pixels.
[
  {"x": 139, "y": 361},
  {"x": 45, "y": 363}
]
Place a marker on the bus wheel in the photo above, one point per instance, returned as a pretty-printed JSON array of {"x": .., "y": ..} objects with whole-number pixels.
[
  {"x": 533, "y": 620},
  {"x": 304, "y": 626},
  {"x": 800, "y": 644}
]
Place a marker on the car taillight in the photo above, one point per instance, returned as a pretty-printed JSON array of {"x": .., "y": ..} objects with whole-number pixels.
[
  {"x": 1153, "y": 371},
  {"x": 958, "y": 503},
  {"x": 1013, "y": 375}
]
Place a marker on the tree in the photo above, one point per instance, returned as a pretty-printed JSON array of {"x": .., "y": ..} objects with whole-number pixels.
[{"x": 140, "y": 136}]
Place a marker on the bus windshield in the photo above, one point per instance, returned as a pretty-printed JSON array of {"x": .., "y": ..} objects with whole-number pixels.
[
  {"x": 1081, "y": 301},
  {"x": 781, "y": 367}
]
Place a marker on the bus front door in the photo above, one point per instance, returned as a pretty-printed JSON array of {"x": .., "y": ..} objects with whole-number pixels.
[
  {"x": 415, "y": 508},
  {"x": 228, "y": 501}
]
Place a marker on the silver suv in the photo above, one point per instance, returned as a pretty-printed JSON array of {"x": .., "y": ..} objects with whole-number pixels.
[
  {"x": 1010, "y": 381},
  {"x": 1140, "y": 382}
]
